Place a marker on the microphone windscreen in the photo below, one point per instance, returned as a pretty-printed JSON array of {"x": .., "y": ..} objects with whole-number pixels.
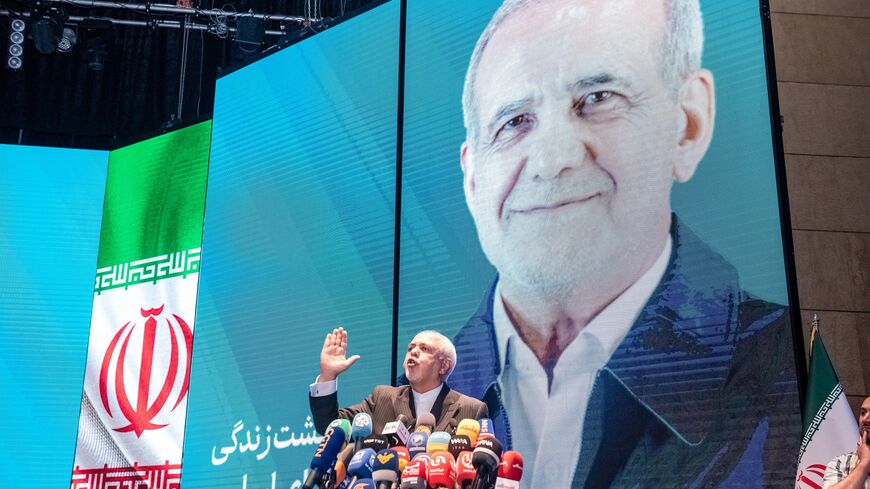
[
  {"x": 511, "y": 466},
  {"x": 386, "y": 466},
  {"x": 469, "y": 428},
  {"x": 486, "y": 428},
  {"x": 404, "y": 456},
  {"x": 361, "y": 464},
  {"x": 442, "y": 470},
  {"x": 422, "y": 456},
  {"x": 426, "y": 420},
  {"x": 327, "y": 451},
  {"x": 415, "y": 474},
  {"x": 343, "y": 424},
  {"x": 413, "y": 483},
  {"x": 458, "y": 443},
  {"x": 465, "y": 470},
  {"x": 376, "y": 443},
  {"x": 396, "y": 432},
  {"x": 342, "y": 462},
  {"x": 340, "y": 471},
  {"x": 487, "y": 455},
  {"x": 403, "y": 419},
  {"x": 361, "y": 427},
  {"x": 438, "y": 441},
  {"x": 365, "y": 483},
  {"x": 417, "y": 443}
]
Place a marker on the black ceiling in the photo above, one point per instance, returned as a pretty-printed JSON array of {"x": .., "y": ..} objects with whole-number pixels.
[{"x": 57, "y": 100}]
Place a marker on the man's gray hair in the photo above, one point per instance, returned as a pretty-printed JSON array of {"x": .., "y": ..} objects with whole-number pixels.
[
  {"x": 445, "y": 348},
  {"x": 683, "y": 45}
]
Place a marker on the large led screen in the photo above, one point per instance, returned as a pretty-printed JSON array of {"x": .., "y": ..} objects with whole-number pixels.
[
  {"x": 298, "y": 239},
  {"x": 51, "y": 201},
  {"x": 590, "y": 209}
]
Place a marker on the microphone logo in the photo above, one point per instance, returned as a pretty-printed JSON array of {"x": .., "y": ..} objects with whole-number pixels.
[
  {"x": 464, "y": 458},
  {"x": 385, "y": 457},
  {"x": 416, "y": 438},
  {"x": 361, "y": 421}
]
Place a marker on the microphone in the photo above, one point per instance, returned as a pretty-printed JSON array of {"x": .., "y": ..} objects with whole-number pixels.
[
  {"x": 385, "y": 470},
  {"x": 510, "y": 471},
  {"x": 339, "y": 471},
  {"x": 426, "y": 423},
  {"x": 343, "y": 424},
  {"x": 361, "y": 428},
  {"x": 423, "y": 456},
  {"x": 415, "y": 475},
  {"x": 404, "y": 456},
  {"x": 485, "y": 459},
  {"x": 361, "y": 466},
  {"x": 438, "y": 441},
  {"x": 363, "y": 484},
  {"x": 396, "y": 432},
  {"x": 375, "y": 442},
  {"x": 486, "y": 428},
  {"x": 465, "y": 471},
  {"x": 442, "y": 471},
  {"x": 324, "y": 456},
  {"x": 404, "y": 420},
  {"x": 417, "y": 443},
  {"x": 469, "y": 428},
  {"x": 458, "y": 444}
]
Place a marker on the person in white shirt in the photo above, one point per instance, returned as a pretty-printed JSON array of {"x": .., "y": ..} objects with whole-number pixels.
[{"x": 852, "y": 470}]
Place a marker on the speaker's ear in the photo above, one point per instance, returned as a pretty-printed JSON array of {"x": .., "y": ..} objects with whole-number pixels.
[{"x": 697, "y": 101}]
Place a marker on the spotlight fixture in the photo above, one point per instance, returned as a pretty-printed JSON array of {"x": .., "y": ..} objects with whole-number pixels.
[
  {"x": 67, "y": 40},
  {"x": 95, "y": 53},
  {"x": 250, "y": 35},
  {"x": 45, "y": 32},
  {"x": 97, "y": 37},
  {"x": 16, "y": 45}
]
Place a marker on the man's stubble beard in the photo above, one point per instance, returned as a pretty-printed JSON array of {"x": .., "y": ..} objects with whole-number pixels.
[{"x": 555, "y": 268}]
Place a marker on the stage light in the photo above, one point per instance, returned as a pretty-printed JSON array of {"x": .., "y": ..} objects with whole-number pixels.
[
  {"x": 45, "y": 32},
  {"x": 14, "y": 54},
  {"x": 67, "y": 40},
  {"x": 250, "y": 34},
  {"x": 95, "y": 53}
]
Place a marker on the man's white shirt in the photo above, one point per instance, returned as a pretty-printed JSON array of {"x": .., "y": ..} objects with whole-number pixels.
[
  {"x": 422, "y": 402},
  {"x": 546, "y": 427}
]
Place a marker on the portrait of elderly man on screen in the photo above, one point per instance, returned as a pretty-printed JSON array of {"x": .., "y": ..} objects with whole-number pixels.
[{"x": 615, "y": 348}]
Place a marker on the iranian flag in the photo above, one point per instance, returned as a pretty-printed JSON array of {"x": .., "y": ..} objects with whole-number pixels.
[
  {"x": 830, "y": 429},
  {"x": 134, "y": 401}
]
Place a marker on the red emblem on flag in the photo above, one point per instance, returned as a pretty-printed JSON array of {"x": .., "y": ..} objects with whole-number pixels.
[
  {"x": 812, "y": 477},
  {"x": 141, "y": 417}
]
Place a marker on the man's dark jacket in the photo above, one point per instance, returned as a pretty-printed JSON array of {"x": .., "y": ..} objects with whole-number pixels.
[
  {"x": 700, "y": 393},
  {"x": 386, "y": 403}
]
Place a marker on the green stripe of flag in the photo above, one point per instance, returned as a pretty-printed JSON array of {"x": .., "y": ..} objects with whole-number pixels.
[
  {"x": 155, "y": 196},
  {"x": 824, "y": 382}
]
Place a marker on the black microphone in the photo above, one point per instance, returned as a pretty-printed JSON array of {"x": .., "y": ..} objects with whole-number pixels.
[
  {"x": 485, "y": 459},
  {"x": 324, "y": 457},
  {"x": 458, "y": 444},
  {"x": 375, "y": 442}
]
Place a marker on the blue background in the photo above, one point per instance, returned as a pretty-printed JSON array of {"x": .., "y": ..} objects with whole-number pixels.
[
  {"x": 51, "y": 204},
  {"x": 298, "y": 239}
]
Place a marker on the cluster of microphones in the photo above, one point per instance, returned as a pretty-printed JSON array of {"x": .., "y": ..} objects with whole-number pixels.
[{"x": 350, "y": 456}]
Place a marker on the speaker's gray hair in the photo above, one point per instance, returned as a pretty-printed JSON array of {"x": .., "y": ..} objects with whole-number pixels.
[{"x": 683, "y": 45}]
